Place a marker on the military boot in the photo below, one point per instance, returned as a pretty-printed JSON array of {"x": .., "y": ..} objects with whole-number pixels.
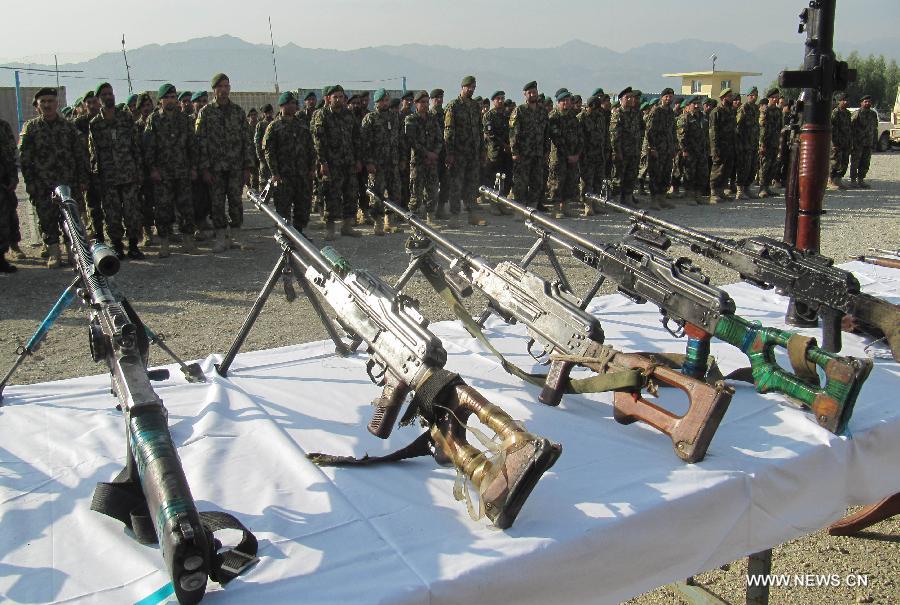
[
  {"x": 392, "y": 226},
  {"x": 163, "y": 247},
  {"x": 119, "y": 248},
  {"x": 149, "y": 239},
  {"x": 588, "y": 209},
  {"x": 17, "y": 252},
  {"x": 863, "y": 185},
  {"x": 741, "y": 194},
  {"x": 751, "y": 194},
  {"x": 347, "y": 228},
  {"x": 765, "y": 192},
  {"x": 134, "y": 253},
  {"x": 378, "y": 228},
  {"x": 187, "y": 244},
  {"x": 840, "y": 183},
  {"x": 716, "y": 196},
  {"x": 330, "y": 235},
  {"x": 221, "y": 244},
  {"x": 53, "y": 256}
]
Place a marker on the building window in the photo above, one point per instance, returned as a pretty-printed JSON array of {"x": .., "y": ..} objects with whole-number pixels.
[
  {"x": 696, "y": 86},
  {"x": 725, "y": 84}
]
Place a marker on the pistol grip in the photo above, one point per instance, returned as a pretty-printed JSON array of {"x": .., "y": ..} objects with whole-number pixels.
[
  {"x": 387, "y": 408},
  {"x": 556, "y": 381}
]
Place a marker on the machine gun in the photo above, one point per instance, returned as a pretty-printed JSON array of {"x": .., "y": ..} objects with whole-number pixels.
[
  {"x": 406, "y": 358},
  {"x": 151, "y": 495},
  {"x": 700, "y": 311},
  {"x": 806, "y": 276},
  {"x": 570, "y": 336}
]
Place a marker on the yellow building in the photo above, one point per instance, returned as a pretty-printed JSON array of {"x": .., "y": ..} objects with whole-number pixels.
[{"x": 710, "y": 83}]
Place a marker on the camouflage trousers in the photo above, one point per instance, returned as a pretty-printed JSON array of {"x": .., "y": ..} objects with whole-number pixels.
[
  {"x": 362, "y": 200},
  {"x": 200, "y": 198},
  {"x": 385, "y": 182},
  {"x": 122, "y": 205},
  {"x": 173, "y": 200},
  {"x": 47, "y": 212},
  {"x": 562, "y": 181},
  {"x": 145, "y": 193},
  {"x": 93, "y": 199},
  {"x": 443, "y": 182},
  {"x": 722, "y": 168},
  {"x": 225, "y": 192},
  {"x": 403, "y": 175},
  {"x": 768, "y": 166},
  {"x": 293, "y": 200},
  {"x": 694, "y": 172},
  {"x": 262, "y": 176},
  {"x": 840, "y": 158},
  {"x": 528, "y": 182},
  {"x": 423, "y": 186},
  {"x": 860, "y": 157},
  {"x": 747, "y": 164},
  {"x": 502, "y": 165},
  {"x": 659, "y": 170},
  {"x": 593, "y": 173},
  {"x": 9, "y": 220},
  {"x": 255, "y": 174},
  {"x": 341, "y": 193},
  {"x": 625, "y": 169},
  {"x": 463, "y": 182}
]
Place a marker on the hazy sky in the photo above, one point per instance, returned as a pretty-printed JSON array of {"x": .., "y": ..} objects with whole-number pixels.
[{"x": 77, "y": 31}]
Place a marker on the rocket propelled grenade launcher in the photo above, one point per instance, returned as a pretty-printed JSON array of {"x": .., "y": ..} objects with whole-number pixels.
[
  {"x": 700, "y": 311},
  {"x": 806, "y": 276},
  {"x": 570, "y": 336},
  {"x": 406, "y": 358}
]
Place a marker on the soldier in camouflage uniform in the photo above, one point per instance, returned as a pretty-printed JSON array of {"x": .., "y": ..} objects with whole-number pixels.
[
  {"x": 747, "y": 140},
  {"x": 145, "y": 188},
  {"x": 93, "y": 196},
  {"x": 184, "y": 102},
  {"x": 114, "y": 144},
  {"x": 381, "y": 148},
  {"x": 462, "y": 139},
  {"x": 360, "y": 108},
  {"x": 645, "y": 108},
  {"x": 224, "y": 158},
  {"x": 706, "y": 167},
  {"x": 566, "y": 145},
  {"x": 9, "y": 178},
  {"x": 406, "y": 109},
  {"x": 495, "y": 127},
  {"x": 170, "y": 156},
  {"x": 309, "y": 106},
  {"x": 264, "y": 121},
  {"x": 335, "y": 133},
  {"x": 288, "y": 151},
  {"x": 437, "y": 110},
  {"x": 692, "y": 140},
  {"x": 626, "y": 135},
  {"x": 199, "y": 188},
  {"x": 252, "y": 123},
  {"x": 593, "y": 161},
  {"x": 528, "y": 145},
  {"x": 424, "y": 132},
  {"x": 659, "y": 144},
  {"x": 51, "y": 153},
  {"x": 840, "y": 142},
  {"x": 863, "y": 137},
  {"x": 722, "y": 130},
  {"x": 769, "y": 133}
]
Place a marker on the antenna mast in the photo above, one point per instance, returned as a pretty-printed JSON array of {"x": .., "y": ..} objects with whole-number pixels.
[
  {"x": 274, "y": 65},
  {"x": 127, "y": 69}
]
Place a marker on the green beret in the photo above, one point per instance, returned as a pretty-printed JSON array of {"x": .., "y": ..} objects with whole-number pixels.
[
  {"x": 477, "y": 99},
  {"x": 87, "y": 95},
  {"x": 379, "y": 94},
  {"x": 772, "y": 92},
  {"x": 865, "y": 98},
  {"x": 267, "y": 108},
  {"x": 625, "y": 91},
  {"x": 562, "y": 93},
  {"x": 594, "y": 101},
  {"x": 409, "y": 94},
  {"x": 530, "y": 85},
  {"x": 337, "y": 88},
  {"x": 468, "y": 81},
  {"x": 753, "y": 91},
  {"x": 684, "y": 102},
  {"x": 286, "y": 97},
  {"x": 309, "y": 95},
  {"x": 724, "y": 93},
  {"x": 184, "y": 94},
  {"x": 598, "y": 92},
  {"x": 437, "y": 92},
  {"x": 66, "y": 111},
  {"x": 666, "y": 91},
  {"x": 200, "y": 94},
  {"x": 78, "y": 101},
  {"x": 497, "y": 93},
  {"x": 164, "y": 90},
  {"x": 100, "y": 87},
  {"x": 327, "y": 90},
  {"x": 132, "y": 97},
  {"x": 644, "y": 105},
  {"x": 214, "y": 81},
  {"x": 422, "y": 96},
  {"x": 559, "y": 91}
]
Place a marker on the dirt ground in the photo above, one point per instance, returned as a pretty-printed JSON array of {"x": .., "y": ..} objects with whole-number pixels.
[{"x": 199, "y": 301}]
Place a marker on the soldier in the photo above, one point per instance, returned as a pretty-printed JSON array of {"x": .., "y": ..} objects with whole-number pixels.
[
  {"x": 252, "y": 123},
  {"x": 268, "y": 115},
  {"x": 184, "y": 102},
  {"x": 335, "y": 133},
  {"x": 406, "y": 109},
  {"x": 309, "y": 105},
  {"x": 863, "y": 137},
  {"x": 462, "y": 138},
  {"x": 437, "y": 110},
  {"x": 424, "y": 132},
  {"x": 625, "y": 135},
  {"x": 114, "y": 145},
  {"x": 93, "y": 196},
  {"x": 131, "y": 105},
  {"x": 380, "y": 147},
  {"x": 692, "y": 141},
  {"x": 566, "y": 145},
  {"x": 746, "y": 139},
  {"x": 840, "y": 142},
  {"x": 199, "y": 189},
  {"x": 495, "y": 127},
  {"x": 288, "y": 152},
  {"x": 528, "y": 145},
  {"x": 660, "y": 148},
  {"x": 722, "y": 128},
  {"x": 145, "y": 188},
  {"x": 225, "y": 158},
  {"x": 769, "y": 133},
  {"x": 170, "y": 156},
  {"x": 593, "y": 162},
  {"x": 9, "y": 178}
]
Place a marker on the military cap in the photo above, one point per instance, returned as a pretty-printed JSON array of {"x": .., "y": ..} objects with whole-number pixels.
[
  {"x": 214, "y": 81},
  {"x": 736, "y": 96},
  {"x": 594, "y": 101},
  {"x": 865, "y": 98},
  {"x": 379, "y": 94},
  {"x": 666, "y": 91},
  {"x": 625, "y": 91},
  {"x": 485, "y": 102},
  {"x": 510, "y": 103},
  {"x": 409, "y": 94},
  {"x": 352, "y": 97},
  {"x": 309, "y": 95},
  {"x": 685, "y": 102},
  {"x": 267, "y": 108},
  {"x": 562, "y": 93},
  {"x": 326, "y": 91},
  {"x": 200, "y": 94},
  {"x": 842, "y": 96},
  {"x": 709, "y": 102},
  {"x": 421, "y": 96},
  {"x": 252, "y": 110},
  {"x": 477, "y": 99},
  {"x": 753, "y": 91},
  {"x": 497, "y": 93},
  {"x": 164, "y": 90},
  {"x": 772, "y": 92},
  {"x": 559, "y": 91},
  {"x": 184, "y": 94},
  {"x": 121, "y": 106},
  {"x": 437, "y": 92},
  {"x": 336, "y": 89},
  {"x": 577, "y": 98},
  {"x": 142, "y": 98},
  {"x": 66, "y": 111},
  {"x": 286, "y": 97},
  {"x": 724, "y": 93},
  {"x": 468, "y": 81},
  {"x": 598, "y": 92},
  {"x": 87, "y": 96},
  {"x": 636, "y": 93},
  {"x": 100, "y": 87},
  {"x": 78, "y": 101},
  {"x": 395, "y": 102},
  {"x": 652, "y": 102},
  {"x": 645, "y": 105},
  {"x": 131, "y": 97},
  {"x": 530, "y": 85},
  {"x": 762, "y": 101}
]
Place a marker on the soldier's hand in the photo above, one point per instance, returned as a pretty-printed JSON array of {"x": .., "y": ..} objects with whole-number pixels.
[
  {"x": 155, "y": 176},
  {"x": 208, "y": 177},
  {"x": 370, "y": 168}
]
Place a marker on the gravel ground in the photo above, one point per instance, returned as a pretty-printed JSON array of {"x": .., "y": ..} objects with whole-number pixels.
[{"x": 199, "y": 301}]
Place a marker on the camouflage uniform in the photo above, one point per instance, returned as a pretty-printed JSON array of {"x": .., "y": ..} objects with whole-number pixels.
[
  {"x": 443, "y": 173},
  {"x": 264, "y": 173},
  {"x": 9, "y": 178},
  {"x": 116, "y": 161},
  {"x": 769, "y": 133},
  {"x": 566, "y": 140},
  {"x": 145, "y": 187},
  {"x": 288, "y": 152},
  {"x": 495, "y": 126},
  {"x": 462, "y": 140},
  {"x": 747, "y": 137},
  {"x": 705, "y": 164},
  {"x": 404, "y": 157},
  {"x": 693, "y": 140},
  {"x": 93, "y": 198},
  {"x": 625, "y": 134},
  {"x": 863, "y": 137},
  {"x": 170, "y": 149},
  {"x": 596, "y": 140},
  {"x": 528, "y": 142},
  {"x": 224, "y": 149},
  {"x": 336, "y": 139},
  {"x": 722, "y": 129},
  {"x": 661, "y": 139},
  {"x": 840, "y": 142},
  {"x": 424, "y": 134},
  {"x": 380, "y": 146}
]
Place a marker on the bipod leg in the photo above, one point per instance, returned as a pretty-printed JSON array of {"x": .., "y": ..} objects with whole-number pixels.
[
  {"x": 339, "y": 347},
  {"x": 192, "y": 372},
  {"x": 557, "y": 268},
  {"x": 590, "y": 294},
  {"x": 261, "y": 298}
]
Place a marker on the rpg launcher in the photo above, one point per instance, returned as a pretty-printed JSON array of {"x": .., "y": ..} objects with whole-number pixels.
[
  {"x": 699, "y": 310},
  {"x": 406, "y": 358},
  {"x": 566, "y": 336},
  {"x": 806, "y": 276}
]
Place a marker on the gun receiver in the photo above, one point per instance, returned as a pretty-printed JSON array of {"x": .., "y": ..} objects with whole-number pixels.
[
  {"x": 806, "y": 276},
  {"x": 701, "y": 311},
  {"x": 568, "y": 336}
]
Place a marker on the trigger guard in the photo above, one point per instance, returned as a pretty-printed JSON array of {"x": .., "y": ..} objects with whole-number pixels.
[
  {"x": 542, "y": 358},
  {"x": 377, "y": 379},
  {"x": 678, "y": 332}
]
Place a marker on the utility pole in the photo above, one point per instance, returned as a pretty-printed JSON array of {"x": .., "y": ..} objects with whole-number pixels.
[
  {"x": 56, "y": 64},
  {"x": 274, "y": 65},
  {"x": 19, "y": 117},
  {"x": 403, "y": 81},
  {"x": 127, "y": 69}
]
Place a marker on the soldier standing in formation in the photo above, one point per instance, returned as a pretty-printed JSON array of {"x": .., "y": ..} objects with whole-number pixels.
[
  {"x": 495, "y": 125},
  {"x": 840, "y": 143},
  {"x": 747, "y": 139},
  {"x": 424, "y": 132},
  {"x": 252, "y": 123},
  {"x": 437, "y": 110},
  {"x": 625, "y": 134},
  {"x": 693, "y": 141},
  {"x": 769, "y": 133},
  {"x": 93, "y": 199},
  {"x": 268, "y": 114},
  {"x": 528, "y": 145},
  {"x": 380, "y": 136},
  {"x": 863, "y": 138},
  {"x": 593, "y": 162},
  {"x": 660, "y": 145},
  {"x": 566, "y": 146},
  {"x": 721, "y": 145},
  {"x": 462, "y": 140},
  {"x": 9, "y": 179}
]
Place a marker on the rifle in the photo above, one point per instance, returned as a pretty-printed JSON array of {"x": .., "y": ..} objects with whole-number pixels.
[
  {"x": 555, "y": 319},
  {"x": 151, "y": 495},
  {"x": 407, "y": 358},
  {"x": 881, "y": 261},
  {"x": 700, "y": 311},
  {"x": 806, "y": 276}
]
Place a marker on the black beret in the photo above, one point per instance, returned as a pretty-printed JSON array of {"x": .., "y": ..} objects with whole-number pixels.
[
  {"x": 44, "y": 92},
  {"x": 865, "y": 98},
  {"x": 267, "y": 108},
  {"x": 625, "y": 91},
  {"x": 772, "y": 92},
  {"x": 409, "y": 94},
  {"x": 395, "y": 102},
  {"x": 309, "y": 95},
  {"x": 710, "y": 102},
  {"x": 577, "y": 98},
  {"x": 530, "y": 85},
  {"x": 437, "y": 92},
  {"x": 594, "y": 101},
  {"x": 667, "y": 91},
  {"x": 88, "y": 95},
  {"x": 497, "y": 93}
]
